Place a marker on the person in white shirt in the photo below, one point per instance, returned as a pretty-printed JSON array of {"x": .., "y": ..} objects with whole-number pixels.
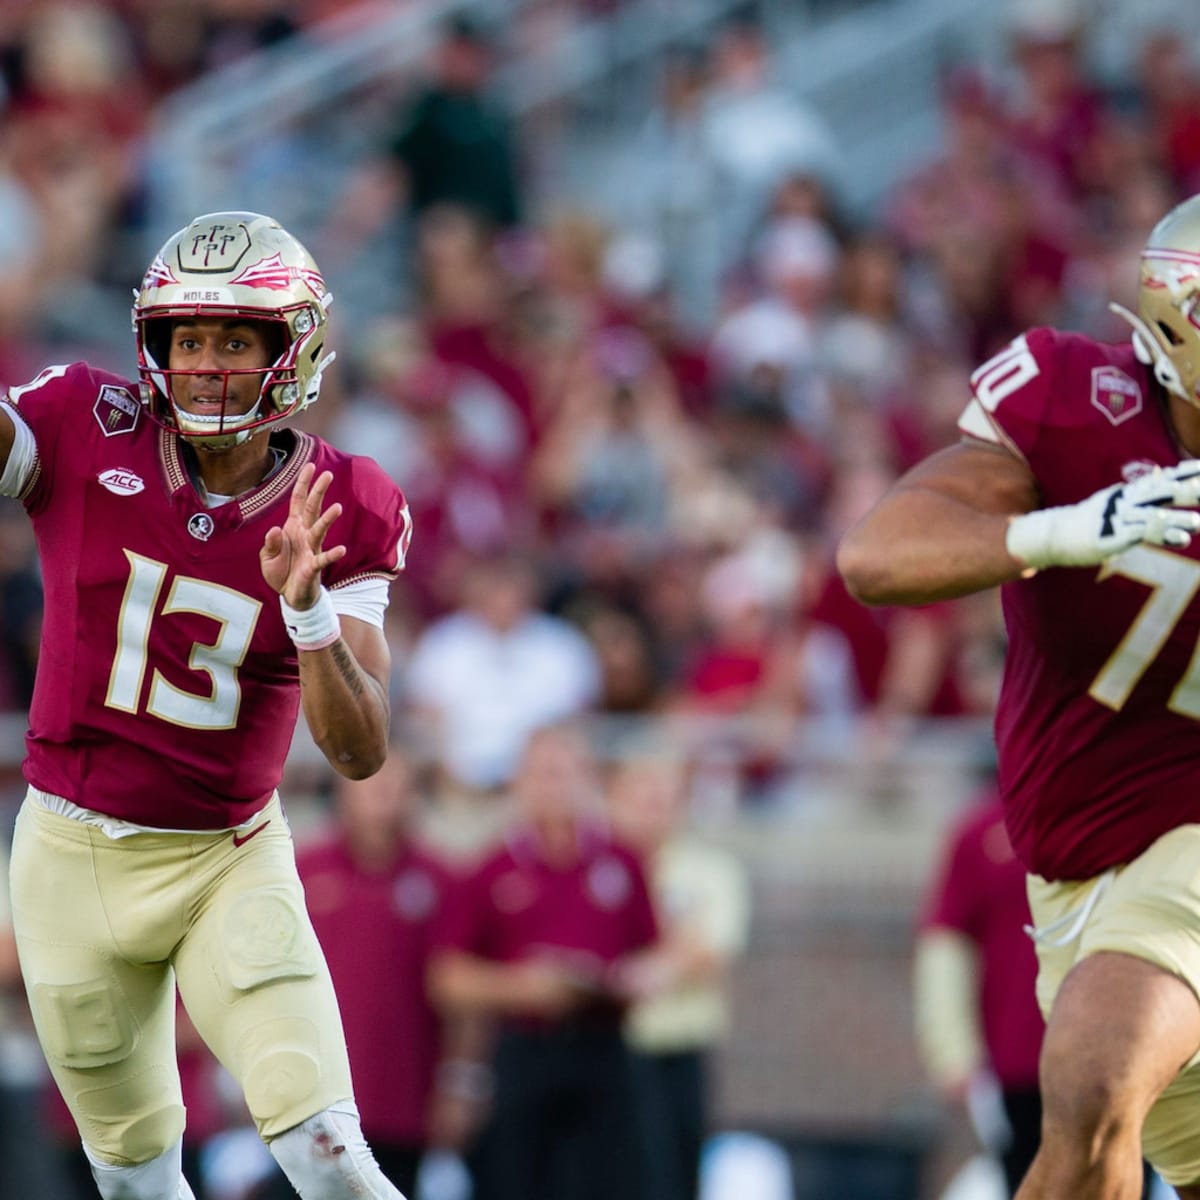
[{"x": 484, "y": 677}]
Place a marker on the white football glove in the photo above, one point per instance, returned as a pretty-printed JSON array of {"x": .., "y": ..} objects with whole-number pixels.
[{"x": 1149, "y": 509}]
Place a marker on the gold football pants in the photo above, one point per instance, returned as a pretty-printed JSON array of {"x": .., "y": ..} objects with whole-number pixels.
[{"x": 106, "y": 928}]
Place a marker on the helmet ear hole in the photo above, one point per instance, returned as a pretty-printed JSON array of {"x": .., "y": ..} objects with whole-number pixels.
[{"x": 1169, "y": 334}]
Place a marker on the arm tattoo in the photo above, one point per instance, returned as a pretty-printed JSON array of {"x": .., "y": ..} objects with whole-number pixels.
[{"x": 349, "y": 669}]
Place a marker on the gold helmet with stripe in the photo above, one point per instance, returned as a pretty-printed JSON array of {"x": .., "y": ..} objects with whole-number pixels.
[
  {"x": 233, "y": 265},
  {"x": 1166, "y": 326}
]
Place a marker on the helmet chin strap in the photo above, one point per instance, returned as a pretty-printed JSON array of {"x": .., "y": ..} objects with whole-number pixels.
[
  {"x": 217, "y": 444},
  {"x": 191, "y": 427}
]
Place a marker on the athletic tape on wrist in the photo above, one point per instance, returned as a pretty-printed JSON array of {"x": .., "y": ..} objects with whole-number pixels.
[
  {"x": 1030, "y": 538},
  {"x": 312, "y": 628}
]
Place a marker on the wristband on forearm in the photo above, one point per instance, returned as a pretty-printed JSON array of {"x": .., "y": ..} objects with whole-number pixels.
[
  {"x": 1031, "y": 538},
  {"x": 312, "y": 628}
]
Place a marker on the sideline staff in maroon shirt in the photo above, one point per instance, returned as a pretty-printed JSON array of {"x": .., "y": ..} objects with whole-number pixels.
[
  {"x": 545, "y": 936},
  {"x": 975, "y": 970}
]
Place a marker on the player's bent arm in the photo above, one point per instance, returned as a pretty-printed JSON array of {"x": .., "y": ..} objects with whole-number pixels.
[
  {"x": 461, "y": 983},
  {"x": 344, "y": 692},
  {"x": 940, "y": 531},
  {"x": 946, "y": 1007}
]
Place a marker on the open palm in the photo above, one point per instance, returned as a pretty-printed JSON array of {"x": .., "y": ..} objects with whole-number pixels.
[{"x": 293, "y": 555}]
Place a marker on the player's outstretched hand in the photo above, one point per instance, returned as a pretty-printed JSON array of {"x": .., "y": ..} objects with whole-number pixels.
[
  {"x": 1153, "y": 508},
  {"x": 293, "y": 555}
]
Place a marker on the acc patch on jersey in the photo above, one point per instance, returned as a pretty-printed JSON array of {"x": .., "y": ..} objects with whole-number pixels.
[
  {"x": 1115, "y": 394},
  {"x": 116, "y": 410}
]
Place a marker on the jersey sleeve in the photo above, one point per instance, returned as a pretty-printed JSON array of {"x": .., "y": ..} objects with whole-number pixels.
[
  {"x": 1012, "y": 394},
  {"x": 69, "y": 408},
  {"x": 379, "y": 530},
  {"x": 47, "y": 405}
]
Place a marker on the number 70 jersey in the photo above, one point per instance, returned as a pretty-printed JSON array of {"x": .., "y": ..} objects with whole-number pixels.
[
  {"x": 1098, "y": 723},
  {"x": 167, "y": 687}
]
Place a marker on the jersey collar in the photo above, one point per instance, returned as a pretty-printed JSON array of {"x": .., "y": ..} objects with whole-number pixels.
[{"x": 250, "y": 503}]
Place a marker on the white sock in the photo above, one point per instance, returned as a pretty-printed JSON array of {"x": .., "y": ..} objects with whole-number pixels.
[{"x": 327, "y": 1158}]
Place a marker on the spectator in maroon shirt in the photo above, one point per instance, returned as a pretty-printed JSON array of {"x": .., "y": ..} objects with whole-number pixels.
[
  {"x": 1057, "y": 115},
  {"x": 549, "y": 936},
  {"x": 978, "y": 1024},
  {"x": 1170, "y": 85}
]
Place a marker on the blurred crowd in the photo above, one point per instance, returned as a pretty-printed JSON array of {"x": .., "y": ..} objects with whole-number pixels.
[{"x": 630, "y": 440}]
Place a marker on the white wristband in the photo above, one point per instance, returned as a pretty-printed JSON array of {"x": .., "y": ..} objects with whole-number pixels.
[
  {"x": 1030, "y": 538},
  {"x": 312, "y": 628}
]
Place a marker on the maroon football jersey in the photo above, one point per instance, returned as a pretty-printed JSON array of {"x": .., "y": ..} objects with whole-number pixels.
[
  {"x": 167, "y": 687},
  {"x": 1098, "y": 725}
]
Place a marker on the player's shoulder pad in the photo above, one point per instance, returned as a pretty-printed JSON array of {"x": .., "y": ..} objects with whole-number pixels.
[
  {"x": 1040, "y": 381},
  {"x": 76, "y": 381},
  {"x": 1067, "y": 351},
  {"x": 59, "y": 397},
  {"x": 1086, "y": 380},
  {"x": 378, "y": 525}
]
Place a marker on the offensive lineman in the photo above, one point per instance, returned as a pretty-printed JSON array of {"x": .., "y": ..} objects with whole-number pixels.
[
  {"x": 191, "y": 606},
  {"x": 1073, "y": 488}
]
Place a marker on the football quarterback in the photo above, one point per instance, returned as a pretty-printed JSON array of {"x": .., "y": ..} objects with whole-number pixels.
[{"x": 194, "y": 603}]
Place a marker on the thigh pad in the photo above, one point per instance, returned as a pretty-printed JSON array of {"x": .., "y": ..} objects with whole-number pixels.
[{"x": 263, "y": 940}]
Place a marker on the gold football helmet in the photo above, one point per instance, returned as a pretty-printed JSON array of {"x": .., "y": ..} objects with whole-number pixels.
[
  {"x": 233, "y": 264},
  {"x": 1166, "y": 326}
]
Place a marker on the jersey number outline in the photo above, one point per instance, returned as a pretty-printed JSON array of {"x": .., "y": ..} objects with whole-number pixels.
[
  {"x": 1004, "y": 373},
  {"x": 1174, "y": 582},
  {"x": 235, "y": 613},
  {"x": 42, "y": 378}
]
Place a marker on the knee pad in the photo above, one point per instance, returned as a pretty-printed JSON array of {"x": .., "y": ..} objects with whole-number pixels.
[
  {"x": 327, "y": 1158},
  {"x": 115, "y": 1129},
  {"x": 159, "y": 1178},
  {"x": 282, "y": 1069}
]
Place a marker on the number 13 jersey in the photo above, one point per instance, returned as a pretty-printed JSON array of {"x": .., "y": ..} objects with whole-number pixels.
[
  {"x": 1098, "y": 723},
  {"x": 167, "y": 687}
]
